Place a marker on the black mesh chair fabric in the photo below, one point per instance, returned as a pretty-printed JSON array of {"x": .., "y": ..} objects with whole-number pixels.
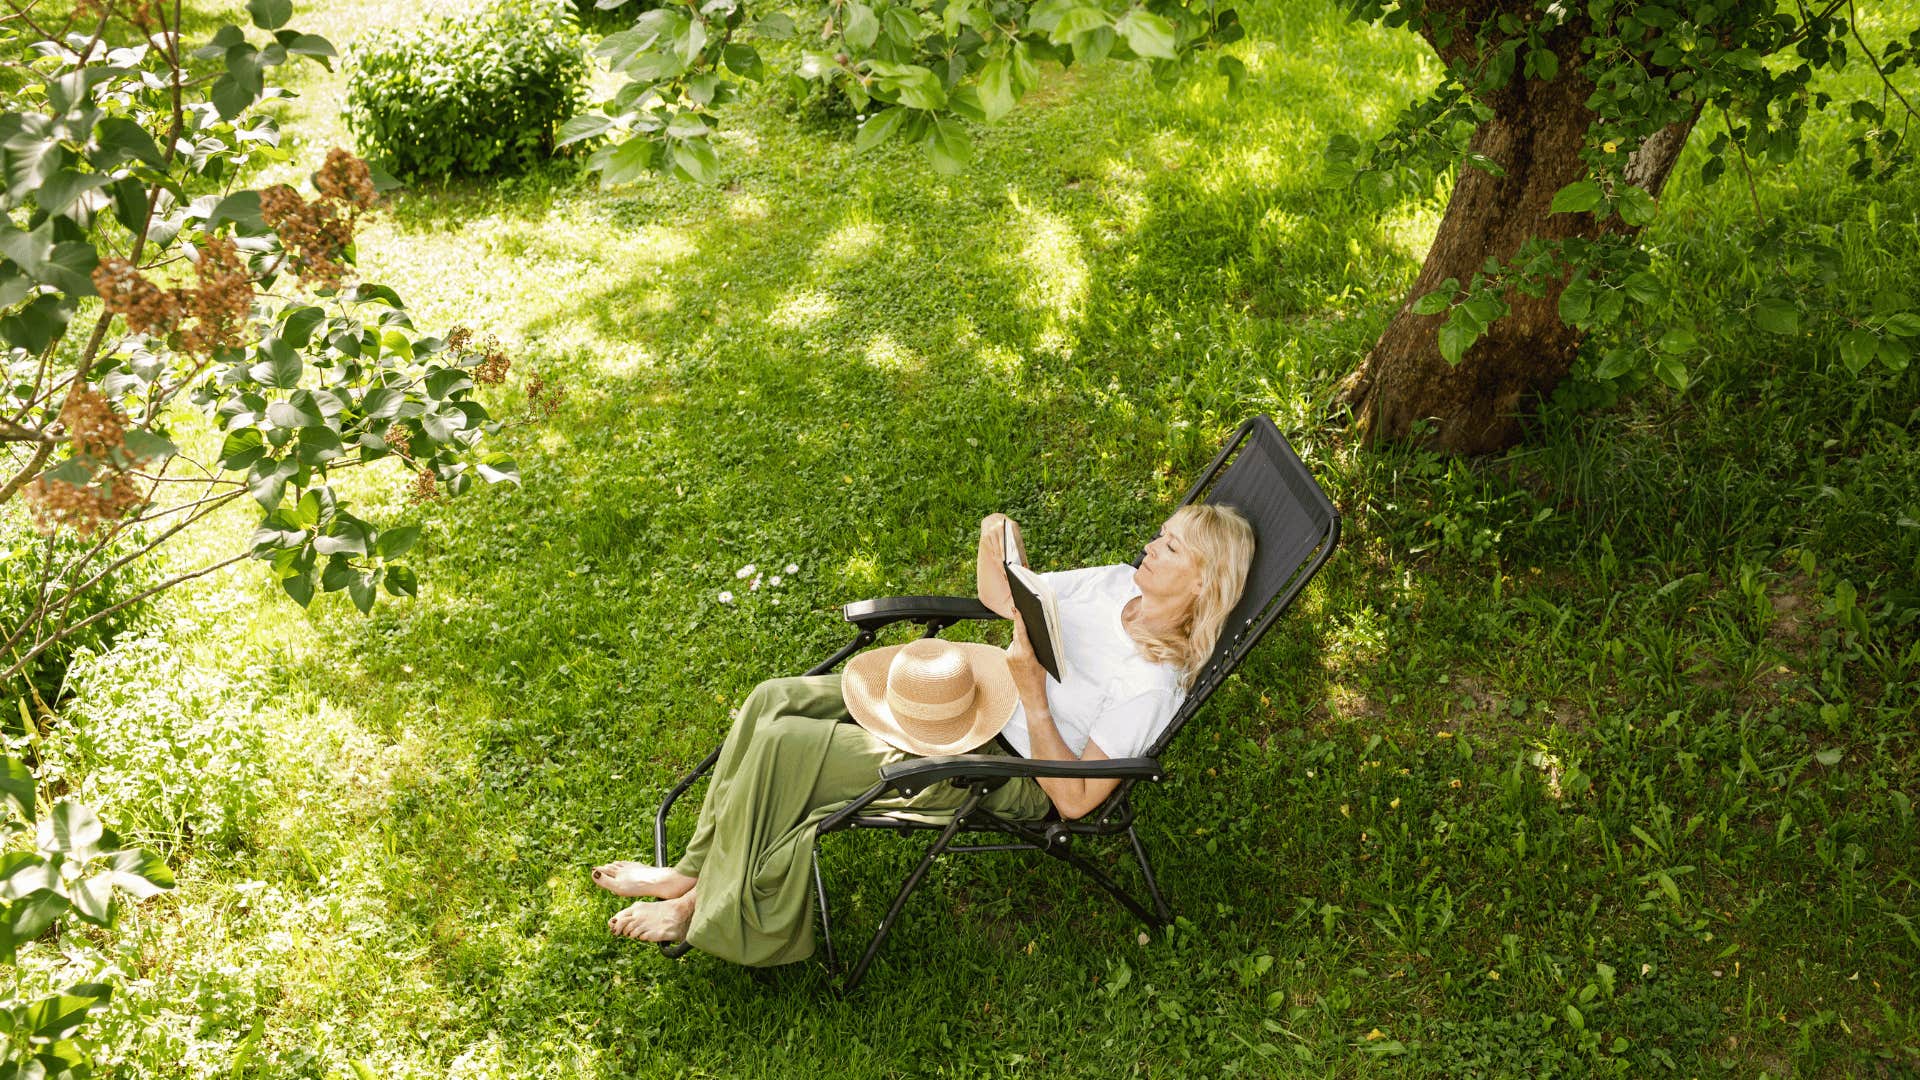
[{"x": 1295, "y": 527}]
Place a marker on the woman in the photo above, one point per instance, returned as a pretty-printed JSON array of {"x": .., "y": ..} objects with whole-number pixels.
[{"x": 1134, "y": 640}]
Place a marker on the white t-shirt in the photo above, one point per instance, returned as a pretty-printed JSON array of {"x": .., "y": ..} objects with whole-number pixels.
[{"x": 1114, "y": 696}]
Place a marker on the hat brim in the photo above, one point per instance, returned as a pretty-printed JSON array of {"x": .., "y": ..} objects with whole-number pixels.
[{"x": 864, "y": 688}]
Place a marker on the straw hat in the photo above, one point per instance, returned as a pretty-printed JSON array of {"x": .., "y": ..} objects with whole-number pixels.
[{"x": 930, "y": 696}]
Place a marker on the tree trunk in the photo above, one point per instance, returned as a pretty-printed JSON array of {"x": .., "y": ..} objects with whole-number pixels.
[{"x": 1477, "y": 407}]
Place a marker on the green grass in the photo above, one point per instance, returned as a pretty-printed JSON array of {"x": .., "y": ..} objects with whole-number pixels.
[{"x": 1584, "y": 730}]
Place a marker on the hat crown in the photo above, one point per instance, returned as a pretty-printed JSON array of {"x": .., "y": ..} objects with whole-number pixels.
[{"x": 930, "y": 689}]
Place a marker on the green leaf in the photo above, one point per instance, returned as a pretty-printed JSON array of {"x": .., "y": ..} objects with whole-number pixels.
[
  {"x": 878, "y": 129},
  {"x": 1677, "y": 340},
  {"x": 1777, "y": 316},
  {"x": 1576, "y": 300},
  {"x": 744, "y": 60},
  {"x": 1079, "y": 20},
  {"x": 1433, "y": 303},
  {"x": 1636, "y": 207},
  {"x": 56, "y": 1018},
  {"x": 1544, "y": 63},
  {"x": 93, "y": 898},
  {"x": 1670, "y": 370},
  {"x": 1644, "y": 288},
  {"x": 697, "y": 161},
  {"x": 242, "y": 448},
  {"x": 299, "y": 586},
  {"x": 1903, "y": 325},
  {"x": 1857, "y": 349},
  {"x": 16, "y": 782},
  {"x": 582, "y": 127},
  {"x": 29, "y": 916},
  {"x": 1457, "y": 335},
  {"x": 1147, "y": 34},
  {"x": 500, "y": 469},
  {"x": 267, "y": 481},
  {"x": 997, "y": 95},
  {"x": 396, "y": 542},
  {"x": 1484, "y": 309},
  {"x": 361, "y": 589},
  {"x": 270, "y": 14},
  {"x": 144, "y": 445},
  {"x": 1894, "y": 354},
  {"x": 949, "y": 146},
  {"x": 75, "y": 829},
  {"x": 230, "y": 98},
  {"x": 1235, "y": 71},
  {"x": 140, "y": 872},
  {"x": 295, "y": 413},
  {"x": 298, "y": 324},
  {"x": 243, "y": 209},
  {"x": 402, "y": 582},
  {"x": 310, "y": 45},
  {"x": 917, "y": 87},
  {"x": 1577, "y": 198},
  {"x": 1615, "y": 363},
  {"x": 281, "y": 367},
  {"x": 859, "y": 27},
  {"x": 319, "y": 444},
  {"x": 382, "y": 402},
  {"x": 123, "y": 140}
]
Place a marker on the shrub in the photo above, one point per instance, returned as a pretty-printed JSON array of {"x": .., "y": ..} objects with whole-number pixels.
[{"x": 468, "y": 95}]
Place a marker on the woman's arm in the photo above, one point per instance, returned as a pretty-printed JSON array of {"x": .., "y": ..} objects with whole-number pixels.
[
  {"x": 990, "y": 573},
  {"x": 1072, "y": 796}
]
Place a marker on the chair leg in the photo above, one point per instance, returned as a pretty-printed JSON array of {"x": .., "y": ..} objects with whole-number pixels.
[
  {"x": 1056, "y": 845},
  {"x": 913, "y": 882},
  {"x": 826, "y": 922},
  {"x": 1153, "y": 886}
]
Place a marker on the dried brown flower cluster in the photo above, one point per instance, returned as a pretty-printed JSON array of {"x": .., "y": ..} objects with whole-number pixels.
[
  {"x": 318, "y": 233},
  {"x": 345, "y": 178},
  {"x": 220, "y": 306},
  {"x": 490, "y": 369},
  {"x": 148, "y": 308},
  {"x": 544, "y": 399},
  {"x": 92, "y": 423},
  {"x": 425, "y": 487},
  {"x": 96, "y": 430},
  {"x": 85, "y": 507}
]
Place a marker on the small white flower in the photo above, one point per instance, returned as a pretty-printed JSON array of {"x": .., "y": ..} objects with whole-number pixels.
[
  {"x": 793, "y": 568},
  {"x": 726, "y": 597},
  {"x": 744, "y": 572},
  {"x": 755, "y": 587},
  {"x": 774, "y": 580}
]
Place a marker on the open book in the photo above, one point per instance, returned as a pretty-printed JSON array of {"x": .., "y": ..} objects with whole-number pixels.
[{"x": 1039, "y": 610}]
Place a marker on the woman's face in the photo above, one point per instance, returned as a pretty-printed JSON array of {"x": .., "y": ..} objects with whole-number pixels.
[{"x": 1169, "y": 569}]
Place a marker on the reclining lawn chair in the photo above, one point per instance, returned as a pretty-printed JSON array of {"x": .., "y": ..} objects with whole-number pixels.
[{"x": 1295, "y": 530}]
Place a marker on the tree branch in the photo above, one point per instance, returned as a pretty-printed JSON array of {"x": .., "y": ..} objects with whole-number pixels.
[{"x": 42, "y": 646}]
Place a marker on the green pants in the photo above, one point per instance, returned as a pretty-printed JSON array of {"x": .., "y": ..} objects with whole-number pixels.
[{"x": 789, "y": 762}]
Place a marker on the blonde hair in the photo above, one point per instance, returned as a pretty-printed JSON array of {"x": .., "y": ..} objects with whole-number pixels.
[{"x": 1222, "y": 544}]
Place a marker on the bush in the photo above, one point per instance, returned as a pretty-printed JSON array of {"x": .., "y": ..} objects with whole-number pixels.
[{"x": 470, "y": 95}]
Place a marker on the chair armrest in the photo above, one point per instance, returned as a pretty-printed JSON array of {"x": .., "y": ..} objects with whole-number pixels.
[
  {"x": 910, "y": 776},
  {"x": 886, "y": 610}
]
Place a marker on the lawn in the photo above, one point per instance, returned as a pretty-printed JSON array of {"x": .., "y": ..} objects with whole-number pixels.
[{"x": 1597, "y": 757}]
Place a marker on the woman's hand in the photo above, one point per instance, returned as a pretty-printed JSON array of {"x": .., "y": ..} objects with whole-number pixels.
[
  {"x": 1029, "y": 678},
  {"x": 990, "y": 574}
]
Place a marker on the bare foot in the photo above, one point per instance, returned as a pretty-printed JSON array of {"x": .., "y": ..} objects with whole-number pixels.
[
  {"x": 625, "y": 878},
  {"x": 664, "y": 920}
]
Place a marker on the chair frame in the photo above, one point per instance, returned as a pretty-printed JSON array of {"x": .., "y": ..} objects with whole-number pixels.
[{"x": 982, "y": 773}]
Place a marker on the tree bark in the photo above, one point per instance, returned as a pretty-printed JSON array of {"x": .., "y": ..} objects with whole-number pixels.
[{"x": 1477, "y": 407}]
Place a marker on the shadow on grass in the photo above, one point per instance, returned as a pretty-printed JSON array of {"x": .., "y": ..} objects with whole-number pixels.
[{"x": 841, "y": 367}]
